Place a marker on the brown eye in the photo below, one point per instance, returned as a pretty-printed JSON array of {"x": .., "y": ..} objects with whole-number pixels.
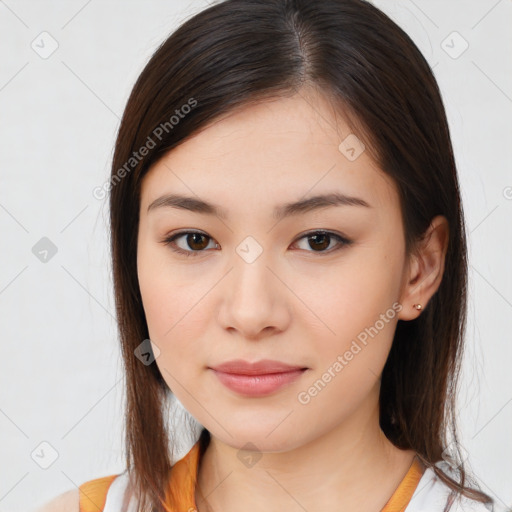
[
  {"x": 319, "y": 241},
  {"x": 194, "y": 243}
]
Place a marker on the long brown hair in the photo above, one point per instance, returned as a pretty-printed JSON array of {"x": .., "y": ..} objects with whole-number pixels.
[{"x": 238, "y": 52}]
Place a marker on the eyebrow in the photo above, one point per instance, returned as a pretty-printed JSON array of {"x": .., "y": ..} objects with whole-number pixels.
[{"x": 285, "y": 210}]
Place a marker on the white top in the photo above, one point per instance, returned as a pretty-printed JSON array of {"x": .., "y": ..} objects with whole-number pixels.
[
  {"x": 115, "y": 495},
  {"x": 430, "y": 495},
  {"x": 433, "y": 495}
]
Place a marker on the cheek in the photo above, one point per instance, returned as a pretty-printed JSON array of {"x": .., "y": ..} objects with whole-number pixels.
[
  {"x": 357, "y": 303},
  {"x": 351, "y": 345},
  {"x": 174, "y": 306},
  {"x": 175, "y": 326}
]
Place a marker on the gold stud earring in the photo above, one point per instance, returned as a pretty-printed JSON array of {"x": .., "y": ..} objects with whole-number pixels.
[{"x": 417, "y": 306}]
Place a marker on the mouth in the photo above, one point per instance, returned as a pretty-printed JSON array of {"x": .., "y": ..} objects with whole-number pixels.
[{"x": 257, "y": 379}]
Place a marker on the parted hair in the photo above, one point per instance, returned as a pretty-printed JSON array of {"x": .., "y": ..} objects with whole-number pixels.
[{"x": 236, "y": 53}]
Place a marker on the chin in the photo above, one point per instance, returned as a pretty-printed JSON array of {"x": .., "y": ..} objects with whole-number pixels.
[{"x": 256, "y": 439}]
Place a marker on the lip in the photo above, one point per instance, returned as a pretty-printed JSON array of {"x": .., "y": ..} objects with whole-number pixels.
[
  {"x": 256, "y": 379},
  {"x": 263, "y": 367}
]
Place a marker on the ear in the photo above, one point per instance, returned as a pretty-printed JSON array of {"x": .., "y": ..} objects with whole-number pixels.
[{"x": 425, "y": 268}]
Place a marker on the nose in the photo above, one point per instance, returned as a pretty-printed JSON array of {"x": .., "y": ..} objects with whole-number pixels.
[{"x": 254, "y": 300}]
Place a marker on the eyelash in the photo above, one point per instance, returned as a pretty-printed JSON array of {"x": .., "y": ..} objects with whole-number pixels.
[{"x": 169, "y": 241}]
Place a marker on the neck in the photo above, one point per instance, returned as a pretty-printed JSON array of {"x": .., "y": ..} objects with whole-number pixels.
[{"x": 351, "y": 467}]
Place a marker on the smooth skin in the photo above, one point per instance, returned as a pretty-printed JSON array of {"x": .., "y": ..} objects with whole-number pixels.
[
  {"x": 66, "y": 502},
  {"x": 300, "y": 302}
]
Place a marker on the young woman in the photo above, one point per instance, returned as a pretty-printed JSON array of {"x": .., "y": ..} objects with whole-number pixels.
[{"x": 289, "y": 260}]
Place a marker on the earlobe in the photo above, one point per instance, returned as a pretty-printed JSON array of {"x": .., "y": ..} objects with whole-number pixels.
[{"x": 426, "y": 269}]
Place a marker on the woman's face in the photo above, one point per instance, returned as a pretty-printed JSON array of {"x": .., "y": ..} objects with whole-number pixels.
[{"x": 254, "y": 285}]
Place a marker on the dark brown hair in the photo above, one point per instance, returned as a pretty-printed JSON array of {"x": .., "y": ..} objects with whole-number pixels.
[{"x": 238, "y": 52}]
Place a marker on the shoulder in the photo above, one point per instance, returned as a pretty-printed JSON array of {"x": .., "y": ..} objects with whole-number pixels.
[
  {"x": 432, "y": 494},
  {"x": 66, "y": 502},
  {"x": 90, "y": 496},
  {"x": 93, "y": 493}
]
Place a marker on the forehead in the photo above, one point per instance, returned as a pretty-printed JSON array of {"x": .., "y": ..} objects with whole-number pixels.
[{"x": 286, "y": 148}]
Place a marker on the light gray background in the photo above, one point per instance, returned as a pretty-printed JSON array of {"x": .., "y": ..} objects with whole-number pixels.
[{"x": 61, "y": 375}]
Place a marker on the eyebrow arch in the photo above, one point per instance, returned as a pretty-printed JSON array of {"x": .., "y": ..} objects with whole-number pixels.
[{"x": 285, "y": 210}]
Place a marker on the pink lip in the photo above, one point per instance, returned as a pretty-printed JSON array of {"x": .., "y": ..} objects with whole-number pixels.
[{"x": 256, "y": 379}]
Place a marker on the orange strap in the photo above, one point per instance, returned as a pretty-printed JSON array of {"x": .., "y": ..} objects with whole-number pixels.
[
  {"x": 403, "y": 494},
  {"x": 93, "y": 494}
]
